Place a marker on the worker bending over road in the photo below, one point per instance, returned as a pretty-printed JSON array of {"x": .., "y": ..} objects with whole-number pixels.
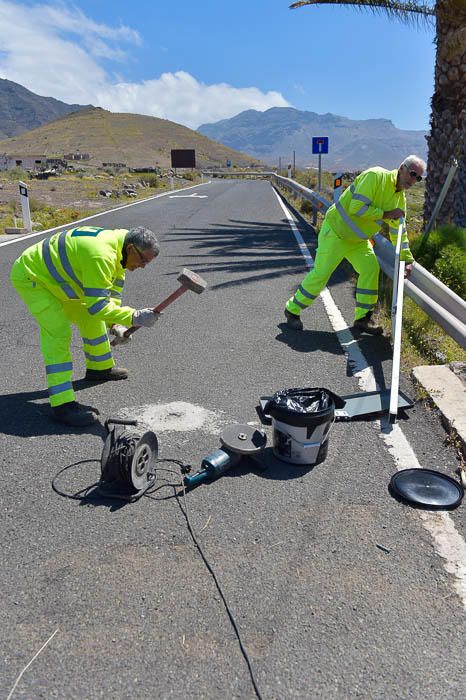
[
  {"x": 375, "y": 201},
  {"x": 77, "y": 276}
]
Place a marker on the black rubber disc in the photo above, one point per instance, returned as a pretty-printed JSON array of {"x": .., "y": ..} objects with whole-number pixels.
[
  {"x": 243, "y": 439},
  {"x": 427, "y": 488}
]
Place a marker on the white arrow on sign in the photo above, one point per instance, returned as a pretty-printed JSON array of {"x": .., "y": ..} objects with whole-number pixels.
[{"x": 181, "y": 196}]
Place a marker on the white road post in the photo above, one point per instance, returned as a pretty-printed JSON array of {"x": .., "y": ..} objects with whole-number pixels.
[
  {"x": 24, "y": 198},
  {"x": 397, "y": 318}
]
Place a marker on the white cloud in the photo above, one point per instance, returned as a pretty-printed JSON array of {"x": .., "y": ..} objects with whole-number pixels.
[
  {"x": 183, "y": 99},
  {"x": 56, "y": 51}
]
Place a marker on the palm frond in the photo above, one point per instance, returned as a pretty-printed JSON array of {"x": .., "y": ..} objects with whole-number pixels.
[{"x": 408, "y": 11}]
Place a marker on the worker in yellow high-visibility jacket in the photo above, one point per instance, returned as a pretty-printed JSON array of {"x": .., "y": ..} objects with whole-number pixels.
[
  {"x": 375, "y": 201},
  {"x": 77, "y": 276}
]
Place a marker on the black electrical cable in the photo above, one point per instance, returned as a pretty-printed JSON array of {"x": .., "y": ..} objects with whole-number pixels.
[
  {"x": 184, "y": 468},
  {"x": 184, "y": 509}
]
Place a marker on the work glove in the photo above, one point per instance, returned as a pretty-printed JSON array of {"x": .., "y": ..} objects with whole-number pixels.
[
  {"x": 145, "y": 317},
  {"x": 118, "y": 331}
]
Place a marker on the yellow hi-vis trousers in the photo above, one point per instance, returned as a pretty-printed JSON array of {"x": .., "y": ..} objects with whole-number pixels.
[
  {"x": 54, "y": 317},
  {"x": 330, "y": 252}
]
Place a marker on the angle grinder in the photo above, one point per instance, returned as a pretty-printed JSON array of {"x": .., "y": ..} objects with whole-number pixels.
[{"x": 237, "y": 441}]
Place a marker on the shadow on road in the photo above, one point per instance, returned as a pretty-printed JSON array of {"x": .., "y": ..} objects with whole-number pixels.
[
  {"x": 375, "y": 349},
  {"x": 25, "y": 415},
  {"x": 257, "y": 249}
]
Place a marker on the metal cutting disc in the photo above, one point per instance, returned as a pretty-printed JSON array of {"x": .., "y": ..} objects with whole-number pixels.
[
  {"x": 243, "y": 439},
  {"x": 427, "y": 488}
]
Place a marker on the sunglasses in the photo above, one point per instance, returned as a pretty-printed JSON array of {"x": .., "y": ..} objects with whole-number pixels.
[
  {"x": 413, "y": 173},
  {"x": 141, "y": 257}
]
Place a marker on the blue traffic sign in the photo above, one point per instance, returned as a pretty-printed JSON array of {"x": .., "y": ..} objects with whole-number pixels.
[{"x": 320, "y": 144}]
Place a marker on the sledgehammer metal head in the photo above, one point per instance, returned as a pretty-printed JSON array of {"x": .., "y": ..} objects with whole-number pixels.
[{"x": 189, "y": 281}]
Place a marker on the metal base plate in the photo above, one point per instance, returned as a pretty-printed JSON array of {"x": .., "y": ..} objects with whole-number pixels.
[
  {"x": 243, "y": 439},
  {"x": 366, "y": 403},
  {"x": 427, "y": 488}
]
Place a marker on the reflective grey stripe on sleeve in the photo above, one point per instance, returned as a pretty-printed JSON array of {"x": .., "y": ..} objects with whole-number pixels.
[
  {"x": 116, "y": 295},
  {"x": 359, "y": 290},
  {"x": 98, "y": 306},
  {"x": 95, "y": 341},
  {"x": 405, "y": 245},
  {"x": 54, "y": 272},
  {"x": 364, "y": 306},
  {"x": 95, "y": 292},
  {"x": 99, "y": 358},
  {"x": 305, "y": 293},
  {"x": 361, "y": 198},
  {"x": 59, "y": 367},
  {"x": 60, "y": 388},
  {"x": 350, "y": 223},
  {"x": 66, "y": 265},
  {"x": 118, "y": 283}
]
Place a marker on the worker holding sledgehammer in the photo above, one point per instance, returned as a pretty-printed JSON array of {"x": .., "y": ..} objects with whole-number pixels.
[
  {"x": 77, "y": 276},
  {"x": 374, "y": 202}
]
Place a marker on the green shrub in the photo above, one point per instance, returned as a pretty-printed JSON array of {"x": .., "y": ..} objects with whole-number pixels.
[
  {"x": 149, "y": 180},
  {"x": 450, "y": 268},
  {"x": 305, "y": 207},
  {"x": 444, "y": 255},
  {"x": 439, "y": 239}
]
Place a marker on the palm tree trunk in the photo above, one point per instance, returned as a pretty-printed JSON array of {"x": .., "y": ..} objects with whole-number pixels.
[{"x": 447, "y": 137}]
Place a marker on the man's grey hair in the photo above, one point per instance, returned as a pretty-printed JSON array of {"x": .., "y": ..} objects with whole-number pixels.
[
  {"x": 411, "y": 160},
  {"x": 144, "y": 239}
]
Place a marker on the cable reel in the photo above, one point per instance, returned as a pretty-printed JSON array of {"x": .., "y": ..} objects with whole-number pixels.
[{"x": 128, "y": 460}]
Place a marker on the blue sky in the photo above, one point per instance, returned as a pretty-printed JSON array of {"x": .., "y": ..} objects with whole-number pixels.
[{"x": 198, "y": 62}]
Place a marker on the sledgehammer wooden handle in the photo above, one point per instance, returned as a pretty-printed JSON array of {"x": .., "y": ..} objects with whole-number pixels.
[{"x": 189, "y": 281}]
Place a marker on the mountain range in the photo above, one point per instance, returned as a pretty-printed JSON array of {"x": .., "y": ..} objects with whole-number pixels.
[
  {"x": 273, "y": 136},
  {"x": 22, "y": 110},
  {"x": 32, "y": 124}
]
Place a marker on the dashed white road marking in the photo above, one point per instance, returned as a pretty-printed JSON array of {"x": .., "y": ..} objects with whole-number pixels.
[
  {"x": 100, "y": 213},
  {"x": 448, "y": 542},
  {"x": 187, "y": 196}
]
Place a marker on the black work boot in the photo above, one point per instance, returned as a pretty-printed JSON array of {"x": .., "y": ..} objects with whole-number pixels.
[
  {"x": 106, "y": 375},
  {"x": 293, "y": 321},
  {"x": 367, "y": 325},
  {"x": 72, "y": 413}
]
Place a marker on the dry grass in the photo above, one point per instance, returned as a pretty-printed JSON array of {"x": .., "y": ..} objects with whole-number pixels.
[{"x": 133, "y": 139}]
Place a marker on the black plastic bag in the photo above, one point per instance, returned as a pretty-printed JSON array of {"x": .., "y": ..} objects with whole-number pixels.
[{"x": 300, "y": 405}]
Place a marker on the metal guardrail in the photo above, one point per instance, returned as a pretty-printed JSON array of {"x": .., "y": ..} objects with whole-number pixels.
[{"x": 432, "y": 296}]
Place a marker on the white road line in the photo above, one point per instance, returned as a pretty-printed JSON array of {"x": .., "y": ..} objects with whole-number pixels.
[
  {"x": 448, "y": 542},
  {"x": 101, "y": 213}
]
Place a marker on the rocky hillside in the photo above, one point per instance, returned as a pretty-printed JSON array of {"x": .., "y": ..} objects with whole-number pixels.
[
  {"x": 353, "y": 145},
  {"x": 130, "y": 139},
  {"x": 22, "y": 110}
]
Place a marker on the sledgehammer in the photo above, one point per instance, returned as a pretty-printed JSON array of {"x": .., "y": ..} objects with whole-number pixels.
[{"x": 189, "y": 281}]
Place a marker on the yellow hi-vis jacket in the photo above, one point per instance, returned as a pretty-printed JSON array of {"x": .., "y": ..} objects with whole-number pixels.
[
  {"x": 83, "y": 265},
  {"x": 358, "y": 213}
]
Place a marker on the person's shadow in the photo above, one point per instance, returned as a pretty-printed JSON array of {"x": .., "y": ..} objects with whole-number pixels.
[
  {"x": 375, "y": 349},
  {"x": 28, "y": 414}
]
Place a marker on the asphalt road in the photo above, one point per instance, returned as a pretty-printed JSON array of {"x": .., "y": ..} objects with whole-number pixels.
[{"x": 337, "y": 589}]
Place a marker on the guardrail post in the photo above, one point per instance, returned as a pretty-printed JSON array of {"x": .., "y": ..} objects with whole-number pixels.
[{"x": 337, "y": 186}]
